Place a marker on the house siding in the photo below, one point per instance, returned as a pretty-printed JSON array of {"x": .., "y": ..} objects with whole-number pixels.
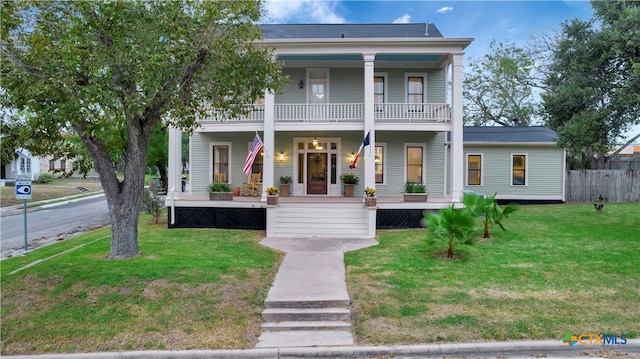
[{"x": 545, "y": 169}]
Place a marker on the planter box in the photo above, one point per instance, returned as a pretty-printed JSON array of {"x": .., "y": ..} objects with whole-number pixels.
[
  {"x": 370, "y": 201},
  {"x": 221, "y": 196},
  {"x": 272, "y": 200},
  {"x": 348, "y": 190},
  {"x": 285, "y": 188},
  {"x": 415, "y": 197}
]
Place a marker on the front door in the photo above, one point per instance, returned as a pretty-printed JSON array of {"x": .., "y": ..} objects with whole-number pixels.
[{"x": 316, "y": 173}]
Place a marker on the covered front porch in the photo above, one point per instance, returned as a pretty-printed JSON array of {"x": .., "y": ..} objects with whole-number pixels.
[{"x": 301, "y": 216}]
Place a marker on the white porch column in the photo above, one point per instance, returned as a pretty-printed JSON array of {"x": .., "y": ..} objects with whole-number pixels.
[
  {"x": 457, "y": 123},
  {"x": 268, "y": 141},
  {"x": 175, "y": 161},
  {"x": 369, "y": 121}
]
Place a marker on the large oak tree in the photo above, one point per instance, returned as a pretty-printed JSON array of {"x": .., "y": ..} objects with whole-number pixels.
[
  {"x": 593, "y": 83},
  {"x": 112, "y": 71}
]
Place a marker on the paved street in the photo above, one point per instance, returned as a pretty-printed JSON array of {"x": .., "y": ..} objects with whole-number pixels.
[{"x": 50, "y": 223}]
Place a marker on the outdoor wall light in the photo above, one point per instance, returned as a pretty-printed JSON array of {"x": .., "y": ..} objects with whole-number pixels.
[
  {"x": 281, "y": 156},
  {"x": 301, "y": 84},
  {"x": 352, "y": 156}
]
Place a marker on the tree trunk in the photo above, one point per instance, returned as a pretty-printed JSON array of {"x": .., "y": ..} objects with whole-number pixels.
[
  {"x": 164, "y": 180},
  {"x": 486, "y": 229},
  {"x": 124, "y": 227},
  {"x": 450, "y": 249}
]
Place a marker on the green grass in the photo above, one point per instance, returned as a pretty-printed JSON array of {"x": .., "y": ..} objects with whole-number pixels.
[
  {"x": 47, "y": 191},
  {"x": 188, "y": 289},
  {"x": 557, "y": 268}
]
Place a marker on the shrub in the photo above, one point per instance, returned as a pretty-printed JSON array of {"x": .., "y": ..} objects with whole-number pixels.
[
  {"x": 45, "y": 177},
  {"x": 152, "y": 203},
  {"x": 415, "y": 187},
  {"x": 349, "y": 178},
  {"x": 220, "y": 187}
]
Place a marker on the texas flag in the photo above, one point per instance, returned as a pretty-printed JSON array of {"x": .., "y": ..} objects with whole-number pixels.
[{"x": 364, "y": 143}]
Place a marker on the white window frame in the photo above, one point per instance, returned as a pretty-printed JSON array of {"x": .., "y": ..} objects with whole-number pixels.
[
  {"x": 424, "y": 87},
  {"x": 308, "y": 84},
  {"x": 424, "y": 159},
  {"x": 254, "y": 161},
  {"x": 385, "y": 166},
  {"x": 526, "y": 169},
  {"x": 466, "y": 167},
  {"x": 385, "y": 98},
  {"x": 24, "y": 165},
  {"x": 229, "y": 147}
]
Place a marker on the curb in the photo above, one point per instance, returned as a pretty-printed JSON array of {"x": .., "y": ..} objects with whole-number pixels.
[{"x": 427, "y": 350}]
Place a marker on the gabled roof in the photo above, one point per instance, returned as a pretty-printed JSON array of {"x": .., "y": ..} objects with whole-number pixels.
[
  {"x": 329, "y": 31},
  {"x": 516, "y": 134}
]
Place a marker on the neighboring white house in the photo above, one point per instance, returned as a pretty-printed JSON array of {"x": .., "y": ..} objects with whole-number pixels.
[
  {"x": 399, "y": 83},
  {"x": 24, "y": 163}
]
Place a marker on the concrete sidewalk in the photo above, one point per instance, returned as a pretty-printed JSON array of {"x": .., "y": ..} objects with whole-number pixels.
[{"x": 308, "y": 304}]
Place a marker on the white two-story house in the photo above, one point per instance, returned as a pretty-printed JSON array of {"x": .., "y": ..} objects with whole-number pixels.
[{"x": 399, "y": 83}]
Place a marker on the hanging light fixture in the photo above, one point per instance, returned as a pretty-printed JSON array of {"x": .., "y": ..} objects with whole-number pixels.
[{"x": 315, "y": 140}]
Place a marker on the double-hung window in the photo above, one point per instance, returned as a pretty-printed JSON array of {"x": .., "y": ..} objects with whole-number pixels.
[
  {"x": 414, "y": 157},
  {"x": 518, "y": 169},
  {"x": 474, "y": 170},
  {"x": 220, "y": 154},
  {"x": 415, "y": 92},
  {"x": 379, "y": 92},
  {"x": 380, "y": 163}
]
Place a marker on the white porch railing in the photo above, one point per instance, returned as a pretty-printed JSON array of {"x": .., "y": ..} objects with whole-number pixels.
[
  {"x": 332, "y": 112},
  {"x": 412, "y": 112},
  {"x": 342, "y": 112}
]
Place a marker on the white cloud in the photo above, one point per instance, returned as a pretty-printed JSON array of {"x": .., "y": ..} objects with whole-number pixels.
[
  {"x": 302, "y": 11},
  {"x": 442, "y": 10},
  {"x": 404, "y": 19}
]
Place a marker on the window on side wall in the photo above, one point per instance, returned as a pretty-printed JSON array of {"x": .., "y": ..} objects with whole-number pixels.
[
  {"x": 474, "y": 170},
  {"x": 220, "y": 160},
  {"x": 52, "y": 165},
  {"x": 518, "y": 169},
  {"x": 414, "y": 161}
]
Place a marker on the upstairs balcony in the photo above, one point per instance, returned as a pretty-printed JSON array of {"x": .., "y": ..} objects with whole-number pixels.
[{"x": 384, "y": 113}]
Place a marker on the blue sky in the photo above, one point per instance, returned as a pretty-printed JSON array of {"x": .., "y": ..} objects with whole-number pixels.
[
  {"x": 503, "y": 21},
  {"x": 506, "y": 21}
]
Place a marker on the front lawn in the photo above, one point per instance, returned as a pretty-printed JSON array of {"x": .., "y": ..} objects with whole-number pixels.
[
  {"x": 188, "y": 289},
  {"x": 557, "y": 268}
]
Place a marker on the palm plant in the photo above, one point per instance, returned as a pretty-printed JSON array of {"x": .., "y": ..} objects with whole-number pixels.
[
  {"x": 488, "y": 209},
  {"x": 452, "y": 226}
]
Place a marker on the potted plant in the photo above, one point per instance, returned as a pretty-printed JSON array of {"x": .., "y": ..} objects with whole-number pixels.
[
  {"x": 220, "y": 191},
  {"x": 415, "y": 192},
  {"x": 370, "y": 199},
  {"x": 349, "y": 180},
  {"x": 272, "y": 195},
  {"x": 285, "y": 186}
]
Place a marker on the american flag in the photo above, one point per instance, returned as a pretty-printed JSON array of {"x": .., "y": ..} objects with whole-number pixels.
[{"x": 256, "y": 146}]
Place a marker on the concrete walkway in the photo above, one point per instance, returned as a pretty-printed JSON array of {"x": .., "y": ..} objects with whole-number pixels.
[{"x": 308, "y": 304}]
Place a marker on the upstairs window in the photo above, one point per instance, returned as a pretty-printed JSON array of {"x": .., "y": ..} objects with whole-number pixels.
[
  {"x": 379, "y": 92},
  {"x": 415, "y": 91}
]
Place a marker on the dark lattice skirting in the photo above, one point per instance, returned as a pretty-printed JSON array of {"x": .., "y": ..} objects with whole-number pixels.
[
  {"x": 214, "y": 217},
  {"x": 400, "y": 218}
]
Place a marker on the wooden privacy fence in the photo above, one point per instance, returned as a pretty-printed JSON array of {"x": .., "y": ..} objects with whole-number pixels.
[{"x": 613, "y": 185}]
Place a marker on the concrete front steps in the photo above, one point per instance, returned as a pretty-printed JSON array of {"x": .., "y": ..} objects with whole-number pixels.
[
  {"x": 306, "y": 324},
  {"x": 321, "y": 220},
  {"x": 308, "y": 304}
]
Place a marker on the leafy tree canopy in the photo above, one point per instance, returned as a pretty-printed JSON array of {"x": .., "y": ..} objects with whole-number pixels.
[
  {"x": 112, "y": 71},
  {"x": 593, "y": 83},
  {"x": 498, "y": 88}
]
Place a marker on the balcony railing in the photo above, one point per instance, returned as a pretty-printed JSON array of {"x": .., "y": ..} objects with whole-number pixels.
[{"x": 343, "y": 112}]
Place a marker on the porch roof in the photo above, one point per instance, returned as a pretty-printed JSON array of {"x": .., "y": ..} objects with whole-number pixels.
[{"x": 515, "y": 134}]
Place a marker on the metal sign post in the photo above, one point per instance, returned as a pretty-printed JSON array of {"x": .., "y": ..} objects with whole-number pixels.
[{"x": 23, "y": 191}]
